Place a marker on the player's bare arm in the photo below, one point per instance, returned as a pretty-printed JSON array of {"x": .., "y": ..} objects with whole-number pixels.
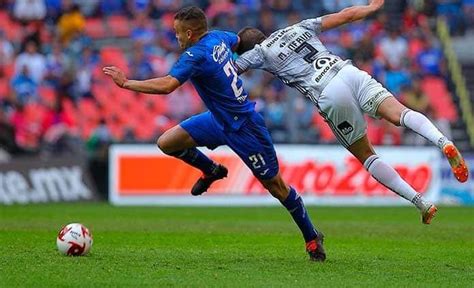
[
  {"x": 350, "y": 14},
  {"x": 161, "y": 85}
]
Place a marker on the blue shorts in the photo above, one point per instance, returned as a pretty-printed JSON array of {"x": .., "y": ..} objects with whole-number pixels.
[{"x": 252, "y": 142}]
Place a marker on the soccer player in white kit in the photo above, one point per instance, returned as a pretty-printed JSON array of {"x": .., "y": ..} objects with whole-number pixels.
[{"x": 342, "y": 93}]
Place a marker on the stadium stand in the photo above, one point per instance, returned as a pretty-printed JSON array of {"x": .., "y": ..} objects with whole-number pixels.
[{"x": 110, "y": 34}]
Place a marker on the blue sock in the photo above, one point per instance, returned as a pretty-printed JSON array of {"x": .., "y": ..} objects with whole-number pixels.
[
  {"x": 294, "y": 204},
  {"x": 197, "y": 159}
]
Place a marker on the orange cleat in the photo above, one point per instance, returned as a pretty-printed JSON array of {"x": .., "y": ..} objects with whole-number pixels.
[
  {"x": 428, "y": 214},
  {"x": 458, "y": 165},
  {"x": 315, "y": 249}
]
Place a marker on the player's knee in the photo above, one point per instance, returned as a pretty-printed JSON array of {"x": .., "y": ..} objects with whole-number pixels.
[{"x": 163, "y": 145}]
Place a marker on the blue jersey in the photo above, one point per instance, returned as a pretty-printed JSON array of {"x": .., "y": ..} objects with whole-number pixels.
[{"x": 209, "y": 66}]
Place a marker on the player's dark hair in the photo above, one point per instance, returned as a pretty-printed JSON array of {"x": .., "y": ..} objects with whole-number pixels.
[
  {"x": 194, "y": 18},
  {"x": 249, "y": 37}
]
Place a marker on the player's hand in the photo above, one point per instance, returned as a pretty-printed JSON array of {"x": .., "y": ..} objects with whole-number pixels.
[{"x": 116, "y": 74}]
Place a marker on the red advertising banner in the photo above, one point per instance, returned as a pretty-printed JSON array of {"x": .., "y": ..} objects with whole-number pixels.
[{"x": 323, "y": 174}]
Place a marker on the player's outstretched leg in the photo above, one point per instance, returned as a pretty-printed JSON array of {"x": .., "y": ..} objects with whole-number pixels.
[
  {"x": 178, "y": 143},
  {"x": 386, "y": 175},
  {"x": 293, "y": 202},
  {"x": 393, "y": 111}
]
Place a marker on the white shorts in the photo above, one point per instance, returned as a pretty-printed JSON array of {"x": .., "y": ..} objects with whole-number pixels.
[{"x": 346, "y": 98}]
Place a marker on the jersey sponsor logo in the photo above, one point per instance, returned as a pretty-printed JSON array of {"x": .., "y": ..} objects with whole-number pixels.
[
  {"x": 190, "y": 54},
  {"x": 324, "y": 64},
  {"x": 345, "y": 127},
  {"x": 278, "y": 36},
  {"x": 220, "y": 53}
]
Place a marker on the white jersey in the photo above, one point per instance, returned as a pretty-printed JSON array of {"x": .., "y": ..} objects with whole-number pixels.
[{"x": 296, "y": 56}]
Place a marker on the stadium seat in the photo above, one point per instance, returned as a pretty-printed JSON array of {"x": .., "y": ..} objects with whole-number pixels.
[
  {"x": 4, "y": 88},
  {"x": 95, "y": 28},
  {"x": 9, "y": 70},
  {"x": 119, "y": 26},
  {"x": 110, "y": 55},
  {"x": 88, "y": 108},
  {"x": 440, "y": 98},
  {"x": 47, "y": 94},
  {"x": 325, "y": 132}
]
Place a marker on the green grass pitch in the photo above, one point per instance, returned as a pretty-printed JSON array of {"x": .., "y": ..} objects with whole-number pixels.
[{"x": 236, "y": 247}]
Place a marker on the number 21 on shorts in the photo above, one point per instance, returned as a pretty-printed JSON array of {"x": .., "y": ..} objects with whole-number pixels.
[{"x": 257, "y": 160}]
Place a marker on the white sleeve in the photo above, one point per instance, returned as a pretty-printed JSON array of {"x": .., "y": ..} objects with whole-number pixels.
[
  {"x": 252, "y": 59},
  {"x": 314, "y": 24}
]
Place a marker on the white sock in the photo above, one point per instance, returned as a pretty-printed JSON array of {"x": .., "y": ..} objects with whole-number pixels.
[
  {"x": 422, "y": 126},
  {"x": 387, "y": 176}
]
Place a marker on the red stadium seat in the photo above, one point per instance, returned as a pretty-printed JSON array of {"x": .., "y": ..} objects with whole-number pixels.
[
  {"x": 88, "y": 108},
  {"x": 9, "y": 70},
  {"x": 47, "y": 94},
  {"x": 95, "y": 28},
  {"x": 110, "y": 55},
  {"x": 119, "y": 26},
  {"x": 325, "y": 132},
  {"x": 4, "y": 88},
  {"x": 440, "y": 98}
]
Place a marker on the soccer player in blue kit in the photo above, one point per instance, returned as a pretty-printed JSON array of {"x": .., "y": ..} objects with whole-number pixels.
[{"x": 231, "y": 119}]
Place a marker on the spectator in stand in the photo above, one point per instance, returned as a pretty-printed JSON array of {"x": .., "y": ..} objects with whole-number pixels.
[
  {"x": 85, "y": 66},
  {"x": 29, "y": 10},
  {"x": 57, "y": 66},
  {"x": 57, "y": 128},
  {"x": 71, "y": 22},
  {"x": 395, "y": 79},
  {"x": 430, "y": 61},
  {"x": 275, "y": 112},
  {"x": 6, "y": 53},
  {"x": 394, "y": 48},
  {"x": 24, "y": 87},
  {"x": 88, "y": 7},
  {"x": 452, "y": 11},
  {"x": 112, "y": 7},
  {"x": 219, "y": 7},
  {"x": 304, "y": 113},
  {"x": 364, "y": 49},
  {"x": 468, "y": 8},
  {"x": 414, "y": 98},
  {"x": 53, "y": 9},
  {"x": 100, "y": 140},
  {"x": 7, "y": 135},
  {"x": 143, "y": 32},
  {"x": 140, "y": 67},
  {"x": 136, "y": 7},
  {"x": 35, "y": 62},
  {"x": 413, "y": 19},
  {"x": 266, "y": 22},
  {"x": 27, "y": 133},
  {"x": 163, "y": 7},
  {"x": 377, "y": 27}
]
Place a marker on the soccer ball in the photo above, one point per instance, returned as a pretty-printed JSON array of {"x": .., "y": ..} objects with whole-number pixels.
[{"x": 74, "y": 240}]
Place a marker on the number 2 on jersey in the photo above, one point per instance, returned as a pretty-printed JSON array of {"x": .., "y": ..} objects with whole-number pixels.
[
  {"x": 309, "y": 57},
  {"x": 230, "y": 71}
]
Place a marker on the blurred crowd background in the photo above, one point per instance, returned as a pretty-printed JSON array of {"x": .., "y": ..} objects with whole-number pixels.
[{"x": 54, "y": 98}]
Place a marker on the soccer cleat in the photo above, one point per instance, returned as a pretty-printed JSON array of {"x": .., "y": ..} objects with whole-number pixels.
[
  {"x": 455, "y": 159},
  {"x": 428, "y": 214},
  {"x": 205, "y": 181},
  {"x": 315, "y": 249}
]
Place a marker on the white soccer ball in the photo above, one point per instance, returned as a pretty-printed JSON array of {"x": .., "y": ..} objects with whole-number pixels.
[{"x": 74, "y": 240}]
